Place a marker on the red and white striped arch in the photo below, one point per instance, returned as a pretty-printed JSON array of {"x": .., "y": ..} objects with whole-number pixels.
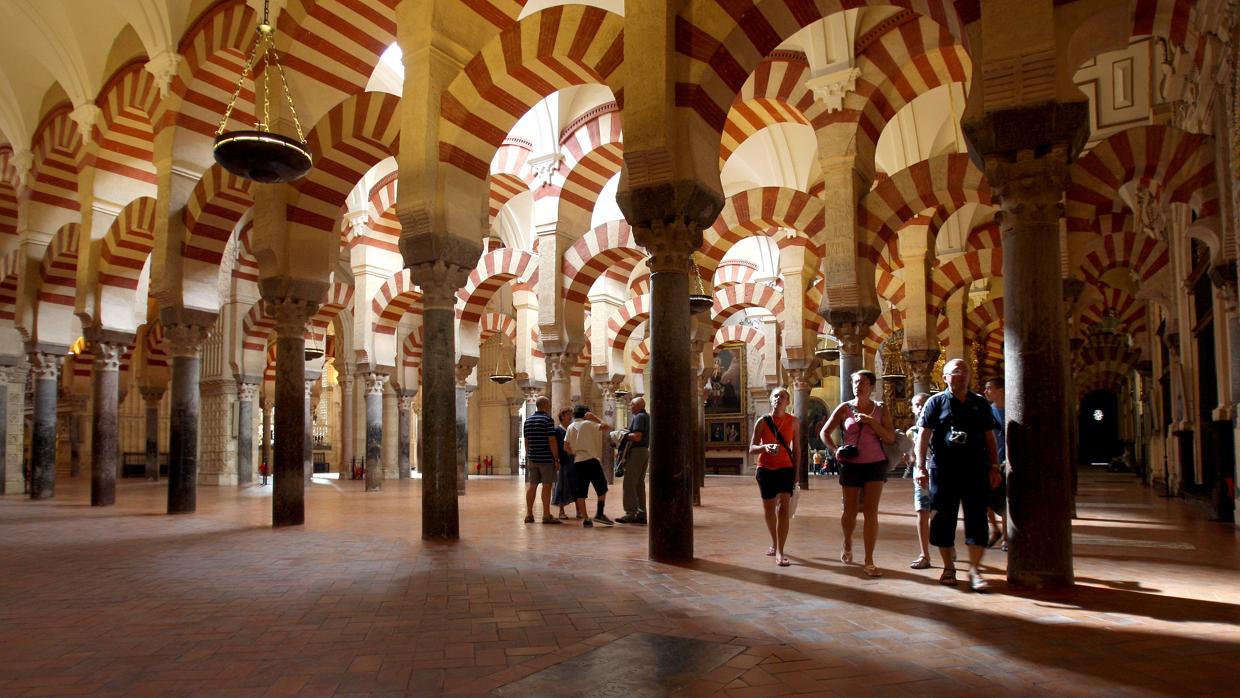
[
  {"x": 11, "y": 266},
  {"x": 984, "y": 236},
  {"x": 731, "y": 299},
  {"x": 559, "y": 47},
  {"x": 58, "y": 270},
  {"x": 10, "y": 182},
  {"x": 494, "y": 269},
  {"x": 57, "y": 151},
  {"x": 1128, "y": 310},
  {"x": 607, "y": 247},
  {"x": 757, "y": 212},
  {"x": 216, "y": 205},
  {"x": 1142, "y": 254},
  {"x": 351, "y": 139},
  {"x": 739, "y": 334},
  {"x": 640, "y": 283},
  {"x": 492, "y": 323},
  {"x": 594, "y": 153},
  {"x": 943, "y": 184},
  {"x": 337, "y": 43},
  {"x": 1176, "y": 166},
  {"x": 725, "y": 42},
  {"x": 983, "y": 318},
  {"x": 1100, "y": 379},
  {"x": 339, "y": 299},
  {"x": 382, "y": 227},
  {"x": 510, "y": 175},
  {"x": 958, "y": 271},
  {"x": 1117, "y": 359},
  {"x": 126, "y": 152},
  {"x": 411, "y": 348},
  {"x": 639, "y": 358},
  {"x": 774, "y": 93},
  {"x": 156, "y": 350},
  {"x": 256, "y": 328},
  {"x": 735, "y": 271},
  {"x": 214, "y": 49},
  {"x": 246, "y": 266},
  {"x": 127, "y": 244},
  {"x": 627, "y": 317},
  {"x": 395, "y": 298}
]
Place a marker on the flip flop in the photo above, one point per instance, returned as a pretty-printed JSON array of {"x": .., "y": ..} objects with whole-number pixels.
[
  {"x": 872, "y": 571},
  {"x": 784, "y": 562},
  {"x": 846, "y": 557},
  {"x": 770, "y": 552}
]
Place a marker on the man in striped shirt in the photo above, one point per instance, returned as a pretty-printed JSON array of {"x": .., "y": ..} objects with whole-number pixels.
[{"x": 542, "y": 458}]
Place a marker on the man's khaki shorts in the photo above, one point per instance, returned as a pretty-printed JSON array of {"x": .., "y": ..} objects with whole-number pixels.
[{"x": 536, "y": 473}]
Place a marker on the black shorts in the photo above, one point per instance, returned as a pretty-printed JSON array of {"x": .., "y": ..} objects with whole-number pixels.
[
  {"x": 775, "y": 481},
  {"x": 857, "y": 474},
  {"x": 590, "y": 472}
]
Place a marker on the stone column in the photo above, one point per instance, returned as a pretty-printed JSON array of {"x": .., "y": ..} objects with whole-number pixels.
[
  {"x": 265, "y": 445},
  {"x": 391, "y": 437},
  {"x": 46, "y": 368},
  {"x": 288, "y": 497},
  {"x": 1027, "y": 152},
  {"x": 402, "y": 431},
  {"x": 375, "y": 384},
  {"x": 607, "y": 392},
  {"x": 307, "y": 430},
  {"x": 246, "y": 393},
  {"x": 699, "y": 405},
  {"x": 184, "y": 342},
  {"x": 77, "y": 413},
  {"x": 13, "y": 380},
  {"x": 463, "y": 391},
  {"x": 559, "y": 375},
  {"x": 104, "y": 431},
  {"x": 150, "y": 399},
  {"x": 920, "y": 364},
  {"x": 801, "y": 380},
  {"x": 346, "y": 425},
  {"x": 668, "y": 222},
  {"x": 850, "y": 334},
  {"x": 440, "y": 279}
]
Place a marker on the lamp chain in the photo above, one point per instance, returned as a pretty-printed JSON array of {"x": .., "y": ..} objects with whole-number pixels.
[{"x": 265, "y": 41}]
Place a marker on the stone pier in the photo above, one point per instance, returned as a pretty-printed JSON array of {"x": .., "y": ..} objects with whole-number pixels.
[
  {"x": 104, "y": 451},
  {"x": 184, "y": 342},
  {"x": 46, "y": 368}
]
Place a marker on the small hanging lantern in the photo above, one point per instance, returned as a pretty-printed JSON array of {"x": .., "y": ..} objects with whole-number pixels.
[
  {"x": 827, "y": 349},
  {"x": 313, "y": 349},
  {"x": 259, "y": 154},
  {"x": 699, "y": 300},
  {"x": 622, "y": 392},
  {"x": 503, "y": 370}
]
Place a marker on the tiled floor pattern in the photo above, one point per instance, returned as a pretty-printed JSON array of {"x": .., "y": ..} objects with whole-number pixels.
[{"x": 130, "y": 601}]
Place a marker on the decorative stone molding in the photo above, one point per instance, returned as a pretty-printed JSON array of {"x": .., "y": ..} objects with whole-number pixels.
[
  {"x": 185, "y": 340},
  {"x": 1029, "y": 190},
  {"x": 163, "y": 68},
  {"x": 375, "y": 383},
  {"x": 545, "y": 168},
  {"x": 44, "y": 366},
  {"x": 850, "y": 336},
  {"x": 800, "y": 378},
  {"x": 107, "y": 356},
  {"x": 291, "y": 316},
  {"x": 152, "y": 396},
  {"x": 439, "y": 282},
  {"x": 830, "y": 89},
  {"x": 560, "y": 365},
  {"x": 920, "y": 363},
  {"x": 86, "y": 116},
  {"x": 246, "y": 392}
]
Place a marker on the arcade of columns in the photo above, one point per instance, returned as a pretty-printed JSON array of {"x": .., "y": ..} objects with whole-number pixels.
[{"x": 1044, "y": 188}]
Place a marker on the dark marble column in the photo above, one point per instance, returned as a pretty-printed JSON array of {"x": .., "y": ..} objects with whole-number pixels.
[
  {"x": 346, "y": 426},
  {"x": 375, "y": 384},
  {"x": 463, "y": 391},
  {"x": 1027, "y": 152},
  {"x": 104, "y": 430},
  {"x": 668, "y": 223},
  {"x": 46, "y": 370},
  {"x": 800, "y": 380},
  {"x": 850, "y": 334},
  {"x": 402, "y": 431},
  {"x": 246, "y": 393},
  {"x": 288, "y": 501},
  {"x": 440, "y": 279},
  {"x": 920, "y": 364},
  {"x": 264, "y": 448},
  {"x": 184, "y": 342},
  {"x": 150, "y": 399}
]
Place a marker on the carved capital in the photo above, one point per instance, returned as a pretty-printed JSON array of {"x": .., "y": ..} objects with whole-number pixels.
[
  {"x": 107, "y": 355},
  {"x": 606, "y": 390},
  {"x": 920, "y": 363},
  {"x": 850, "y": 335},
  {"x": 405, "y": 402},
  {"x": 831, "y": 88},
  {"x": 375, "y": 383},
  {"x": 1072, "y": 289},
  {"x": 246, "y": 392},
  {"x": 185, "y": 340},
  {"x": 1029, "y": 189},
  {"x": 291, "y": 316},
  {"x": 44, "y": 366},
  {"x": 163, "y": 68},
  {"x": 800, "y": 378},
  {"x": 670, "y": 245},
  {"x": 152, "y": 396},
  {"x": 560, "y": 365},
  {"x": 439, "y": 281}
]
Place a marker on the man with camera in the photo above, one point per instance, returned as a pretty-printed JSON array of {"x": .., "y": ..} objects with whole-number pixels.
[{"x": 957, "y": 455}]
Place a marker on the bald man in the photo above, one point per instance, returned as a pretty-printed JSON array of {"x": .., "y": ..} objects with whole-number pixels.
[
  {"x": 542, "y": 458},
  {"x": 635, "y": 464}
]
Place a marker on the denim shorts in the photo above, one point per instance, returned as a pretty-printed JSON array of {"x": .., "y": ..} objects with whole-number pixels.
[{"x": 921, "y": 497}]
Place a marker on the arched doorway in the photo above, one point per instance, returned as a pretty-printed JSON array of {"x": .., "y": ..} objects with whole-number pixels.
[{"x": 1099, "y": 427}]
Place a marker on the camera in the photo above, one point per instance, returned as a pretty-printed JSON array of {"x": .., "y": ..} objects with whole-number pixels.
[
  {"x": 956, "y": 437},
  {"x": 847, "y": 451}
]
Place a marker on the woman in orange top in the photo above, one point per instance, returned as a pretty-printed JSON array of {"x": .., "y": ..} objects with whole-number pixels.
[{"x": 776, "y": 471}]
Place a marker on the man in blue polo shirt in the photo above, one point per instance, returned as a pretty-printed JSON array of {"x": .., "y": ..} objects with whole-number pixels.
[{"x": 542, "y": 458}]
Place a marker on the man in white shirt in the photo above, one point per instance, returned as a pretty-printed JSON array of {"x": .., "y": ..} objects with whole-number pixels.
[{"x": 585, "y": 441}]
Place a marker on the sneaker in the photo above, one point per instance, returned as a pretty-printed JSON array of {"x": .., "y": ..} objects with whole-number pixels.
[
  {"x": 604, "y": 521},
  {"x": 587, "y": 524},
  {"x": 640, "y": 520},
  {"x": 626, "y": 519},
  {"x": 977, "y": 582}
]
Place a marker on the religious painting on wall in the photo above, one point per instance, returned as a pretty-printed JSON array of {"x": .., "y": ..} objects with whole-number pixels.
[
  {"x": 725, "y": 389},
  {"x": 725, "y": 433}
]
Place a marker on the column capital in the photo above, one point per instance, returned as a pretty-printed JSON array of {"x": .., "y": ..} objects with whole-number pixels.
[
  {"x": 1072, "y": 289},
  {"x": 920, "y": 363},
  {"x": 45, "y": 366},
  {"x": 152, "y": 395},
  {"x": 246, "y": 392},
  {"x": 560, "y": 365},
  {"x": 850, "y": 329},
  {"x": 405, "y": 401},
  {"x": 291, "y": 315},
  {"x": 185, "y": 340},
  {"x": 800, "y": 378},
  {"x": 439, "y": 281},
  {"x": 375, "y": 383},
  {"x": 107, "y": 355}
]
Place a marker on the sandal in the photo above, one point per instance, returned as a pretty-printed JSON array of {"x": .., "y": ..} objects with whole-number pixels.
[
  {"x": 563, "y": 516},
  {"x": 846, "y": 557},
  {"x": 529, "y": 519},
  {"x": 921, "y": 563},
  {"x": 550, "y": 520},
  {"x": 770, "y": 552},
  {"x": 784, "y": 562},
  {"x": 948, "y": 578},
  {"x": 872, "y": 571}
]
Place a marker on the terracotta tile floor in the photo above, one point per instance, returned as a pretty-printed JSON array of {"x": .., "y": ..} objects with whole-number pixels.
[{"x": 130, "y": 601}]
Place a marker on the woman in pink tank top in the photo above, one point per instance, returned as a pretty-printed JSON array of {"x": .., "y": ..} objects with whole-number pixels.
[{"x": 863, "y": 463}]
